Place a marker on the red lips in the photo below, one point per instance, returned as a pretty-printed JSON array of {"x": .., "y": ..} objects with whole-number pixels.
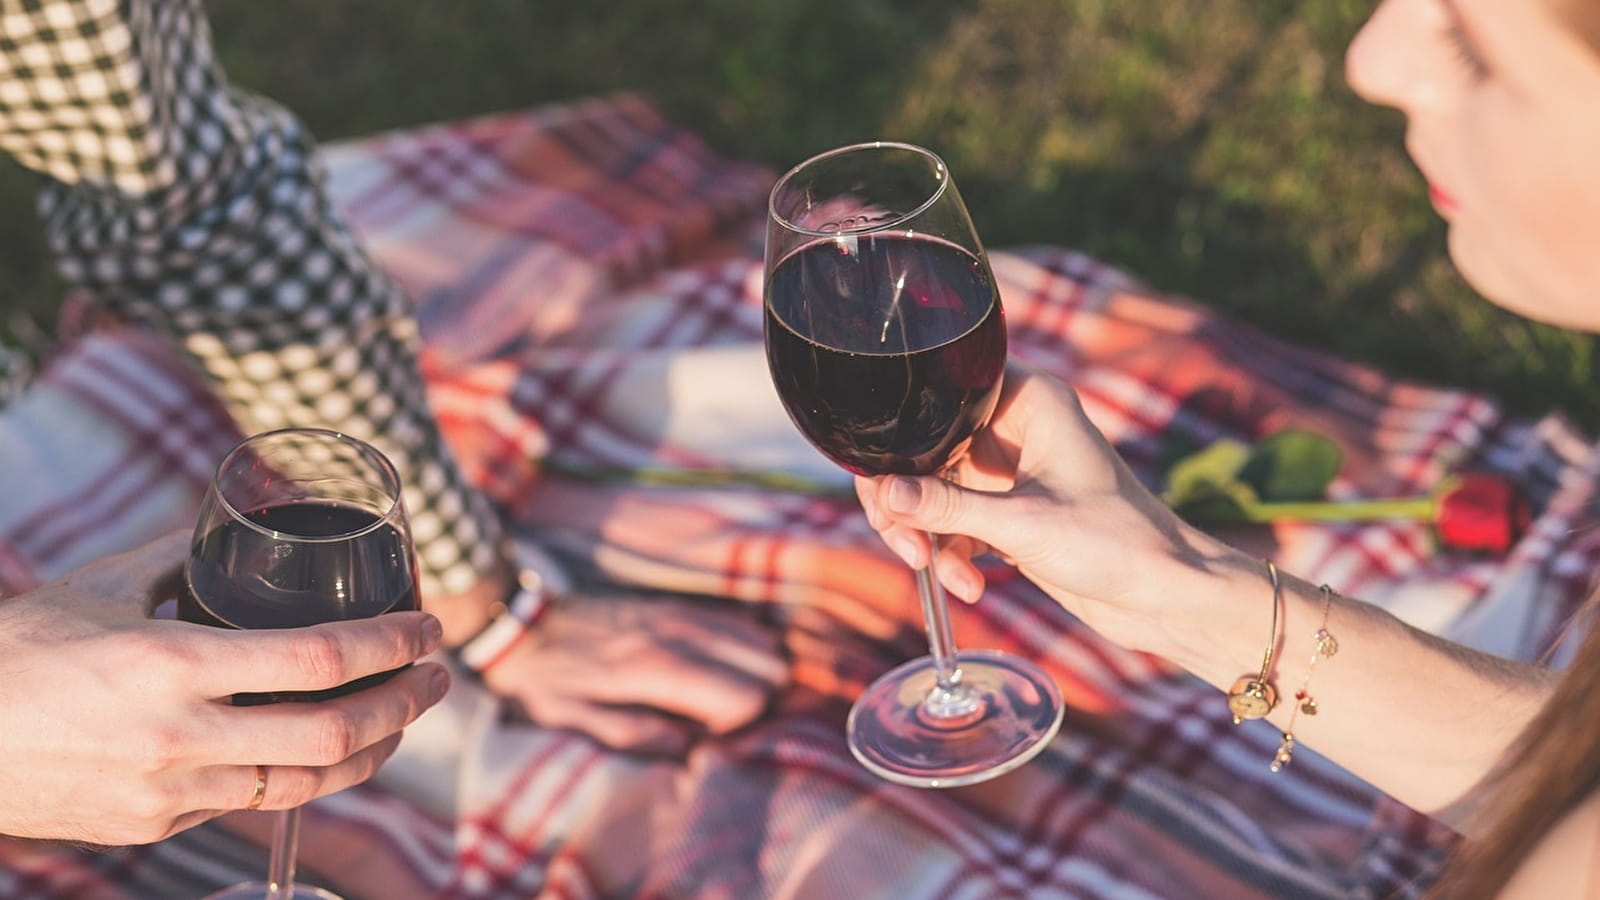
[{"x": 1442, "y": 202}]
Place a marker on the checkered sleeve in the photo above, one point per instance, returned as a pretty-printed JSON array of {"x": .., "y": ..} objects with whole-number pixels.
[{"x": 181, "y": 202}]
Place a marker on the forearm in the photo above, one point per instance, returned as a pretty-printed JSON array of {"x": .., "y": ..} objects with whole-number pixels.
[{"x": 1416, "y": 716}]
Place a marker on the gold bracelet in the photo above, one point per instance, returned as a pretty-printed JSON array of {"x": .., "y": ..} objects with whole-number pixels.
[
  {"x": 1253, "y": 696},
  {"x": 1326, "y": 645}
]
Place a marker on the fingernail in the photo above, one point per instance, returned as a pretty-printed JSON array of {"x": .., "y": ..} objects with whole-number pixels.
[
  {"x": 439, "y": 684},
  {"x": 966, "y": 589},
  {"x": 905, "y": 494},
  {"x": 432, "y": 634}
]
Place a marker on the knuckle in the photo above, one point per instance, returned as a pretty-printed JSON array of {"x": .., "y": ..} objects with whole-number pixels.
[
  {"x": 321, "y": 657},
  {"x": 336, "y": 738},
  {"x": 412, "y": 704},
  {"x": 292, "y": 786},
  {"x": 173, "y": 663},
  {"x": 161, "y": 748},
  {"x": 942, "y": 503}
]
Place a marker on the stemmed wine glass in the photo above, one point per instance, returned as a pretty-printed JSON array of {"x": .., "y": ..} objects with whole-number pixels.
[
  {"x": 886, "y": 342},
  {"x": 299, "y": 526}
]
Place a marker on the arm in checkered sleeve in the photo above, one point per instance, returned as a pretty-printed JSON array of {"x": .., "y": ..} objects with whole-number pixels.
[
  {"x": 179, "y": 201},
  {"x": 1420, "y": 718}
]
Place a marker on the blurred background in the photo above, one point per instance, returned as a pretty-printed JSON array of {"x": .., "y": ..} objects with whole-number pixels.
[{"x": 1210, "y": 147}]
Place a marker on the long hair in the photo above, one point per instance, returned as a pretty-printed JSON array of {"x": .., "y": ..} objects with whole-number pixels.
[
  {"x": 1553, "y": 766},
  {"x": 1583, "y": 17}
]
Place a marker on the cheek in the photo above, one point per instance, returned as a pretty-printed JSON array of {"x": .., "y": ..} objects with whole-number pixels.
[{"x": 1528, "y": 233}]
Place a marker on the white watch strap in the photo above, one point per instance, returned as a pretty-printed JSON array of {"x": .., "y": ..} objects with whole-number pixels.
[{"x": 539, "y": 579}]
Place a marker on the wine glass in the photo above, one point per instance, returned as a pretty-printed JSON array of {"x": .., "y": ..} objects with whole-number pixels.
[
  {"x": 299, "y": 526},
  {"x": 886, "y": 342}
]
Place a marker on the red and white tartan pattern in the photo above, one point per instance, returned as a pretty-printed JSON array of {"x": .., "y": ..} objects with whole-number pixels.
[{"x": 589, "y": 292}]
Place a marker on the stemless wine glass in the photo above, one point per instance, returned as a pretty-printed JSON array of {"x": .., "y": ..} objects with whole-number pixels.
[
  {"x": 300, "y": 526},
  {"x": 886, "y": 342}
]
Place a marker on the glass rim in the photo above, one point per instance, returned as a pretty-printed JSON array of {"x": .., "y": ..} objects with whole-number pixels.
[
  {"x": 390, "y": 474},
  {"x": 938, "y": 191}
]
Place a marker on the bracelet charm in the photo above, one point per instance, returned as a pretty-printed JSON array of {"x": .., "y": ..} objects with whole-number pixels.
[{"x": 1254, "y": 696}]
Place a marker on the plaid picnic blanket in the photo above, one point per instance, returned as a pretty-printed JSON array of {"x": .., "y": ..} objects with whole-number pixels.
[{"x": 587, "y": 277}]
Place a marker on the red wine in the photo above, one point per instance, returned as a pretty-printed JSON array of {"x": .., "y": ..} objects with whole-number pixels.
[
  {"x": 266, "y": 575},
  {"x": 886, "y": 349}
]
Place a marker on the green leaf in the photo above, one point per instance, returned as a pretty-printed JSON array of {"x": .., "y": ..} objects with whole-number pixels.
[
  {"x": 1210, "y": 471},
  {"x": 1214, "y": 508},
  {"x": 1292, "y": 465}
]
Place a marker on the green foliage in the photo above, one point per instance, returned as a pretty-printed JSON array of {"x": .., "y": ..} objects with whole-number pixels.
[
  {"x": 1219, "y": 482},
  {"x": 1292, "y": 464},
  {"x": 1209, "y": 146},
  {"x": 1206, "y": 486}
]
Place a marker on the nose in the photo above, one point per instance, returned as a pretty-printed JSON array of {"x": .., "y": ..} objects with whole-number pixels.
[{"x": 1378, "y": 63}]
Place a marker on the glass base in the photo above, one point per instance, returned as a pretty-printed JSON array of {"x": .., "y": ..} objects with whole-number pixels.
[
  {"x": 257, "y": 890},
  {"x": 1002, "y": 712}
]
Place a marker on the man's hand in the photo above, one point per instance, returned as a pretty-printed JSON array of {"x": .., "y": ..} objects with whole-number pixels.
[
  {"x": 117, "y": 729},
  {"x": 643, "y": 673}
]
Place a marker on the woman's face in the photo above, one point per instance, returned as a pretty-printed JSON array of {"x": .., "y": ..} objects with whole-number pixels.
[{"x": 1502, "y": 102}]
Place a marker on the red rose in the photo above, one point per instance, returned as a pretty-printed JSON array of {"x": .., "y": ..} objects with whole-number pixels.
[
  {"x": 1473, "y": 512},
  {"x": 1481, "y": 513}
]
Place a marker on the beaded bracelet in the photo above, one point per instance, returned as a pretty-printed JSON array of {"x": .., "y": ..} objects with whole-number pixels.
[{"x": 1326, "y": 645}]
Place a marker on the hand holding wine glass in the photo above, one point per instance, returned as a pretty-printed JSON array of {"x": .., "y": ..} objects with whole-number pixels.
[
  {"x": 886, "y": 342},
  {"x": 109, "y": 721},
  {"x": 300, "y": 526}
]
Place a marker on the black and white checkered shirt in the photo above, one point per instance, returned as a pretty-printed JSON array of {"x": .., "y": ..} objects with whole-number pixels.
[{"x": 181, "y": 202}]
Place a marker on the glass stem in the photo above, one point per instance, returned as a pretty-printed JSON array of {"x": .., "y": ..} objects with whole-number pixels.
[
  {"x": 936, "y": 618},
  {"x": 280, "y": 867}
]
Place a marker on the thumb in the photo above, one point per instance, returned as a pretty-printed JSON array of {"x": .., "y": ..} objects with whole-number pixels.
[
  {"x": 137, "y": 581},
  {"x": 938, "y": 506}
]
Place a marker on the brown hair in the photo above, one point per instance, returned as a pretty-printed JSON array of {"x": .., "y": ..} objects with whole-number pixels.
[
  {"x": 1583, "y": 17},
  {"x": 1552, "y": 768}
]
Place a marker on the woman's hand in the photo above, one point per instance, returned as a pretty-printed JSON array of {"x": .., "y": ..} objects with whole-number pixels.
[
  {"x": 117, "y": 729},
  {"x": 1044, "y": 490}
]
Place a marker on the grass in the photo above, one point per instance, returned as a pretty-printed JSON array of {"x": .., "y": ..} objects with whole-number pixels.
[{"x": 1209, "y": 146}]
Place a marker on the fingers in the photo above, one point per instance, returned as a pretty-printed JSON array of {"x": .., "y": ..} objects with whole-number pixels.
[
  {"x": 306, "y": 750},
  {"x": 688, "y": 679},
  {"x": 934, "y": 505},
  {"x": 721, "y": 699},
  {"x": 956, "y": 571},
  {"x": 288, "y": 786},
  {"x": 736, "y": 642},
  {"x": 319, "y": 657},
  {"x": 630, "y": 729},
  {"x": 714, "y": 667},
  {"x": 328, "y": 732}
]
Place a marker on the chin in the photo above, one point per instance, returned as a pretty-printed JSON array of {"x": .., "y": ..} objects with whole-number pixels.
[{"x": 1542, "y": 296}]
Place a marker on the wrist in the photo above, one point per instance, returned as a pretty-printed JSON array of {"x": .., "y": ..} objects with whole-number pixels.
[
  {"x": 464, "y": 614},
  {"x": 1217, "y": 625},
  {"x": 534, "y": 585}
]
